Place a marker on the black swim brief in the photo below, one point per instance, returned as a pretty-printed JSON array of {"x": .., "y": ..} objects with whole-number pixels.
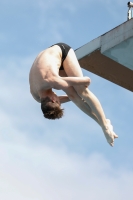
[{"x": 65, "y": 49}]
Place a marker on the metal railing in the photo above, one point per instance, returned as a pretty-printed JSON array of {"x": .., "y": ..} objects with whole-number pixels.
[{"x": 130, "y": 13}]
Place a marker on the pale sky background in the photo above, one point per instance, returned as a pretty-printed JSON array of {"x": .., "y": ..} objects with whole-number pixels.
[{"x": 66, "y": 159}]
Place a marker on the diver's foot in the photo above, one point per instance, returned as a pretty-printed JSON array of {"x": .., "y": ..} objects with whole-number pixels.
[{"x": 109, "y": 133}]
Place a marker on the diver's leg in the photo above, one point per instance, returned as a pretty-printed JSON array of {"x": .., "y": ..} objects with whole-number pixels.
[
  {"x": 72, "y": 68},
  {"x": 73, "y": 96}
]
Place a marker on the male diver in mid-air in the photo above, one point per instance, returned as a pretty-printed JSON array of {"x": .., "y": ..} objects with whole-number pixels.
[{"x": 57, "y": 68}]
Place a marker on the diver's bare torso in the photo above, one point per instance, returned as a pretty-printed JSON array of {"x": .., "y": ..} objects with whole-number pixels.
[{"x": 44, "y": 71}]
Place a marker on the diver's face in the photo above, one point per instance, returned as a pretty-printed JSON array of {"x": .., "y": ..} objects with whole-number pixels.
[{"x": 55, "y": 99}]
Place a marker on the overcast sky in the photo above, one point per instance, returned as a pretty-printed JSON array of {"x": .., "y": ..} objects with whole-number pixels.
[{"x": 66, "y": 159}]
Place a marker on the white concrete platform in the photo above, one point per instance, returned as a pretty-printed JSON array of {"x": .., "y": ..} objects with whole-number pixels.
[{"x": 111, "y": 55}]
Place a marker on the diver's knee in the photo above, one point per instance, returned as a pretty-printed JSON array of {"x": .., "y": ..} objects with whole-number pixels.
[{"x": 82, "y": 90}]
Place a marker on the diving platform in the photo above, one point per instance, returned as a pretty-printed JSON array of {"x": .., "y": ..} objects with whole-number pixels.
[{"x": 111, "y": 55}]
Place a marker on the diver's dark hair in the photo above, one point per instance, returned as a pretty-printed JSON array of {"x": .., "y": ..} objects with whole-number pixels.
[{"x": 51, "y": 110}]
